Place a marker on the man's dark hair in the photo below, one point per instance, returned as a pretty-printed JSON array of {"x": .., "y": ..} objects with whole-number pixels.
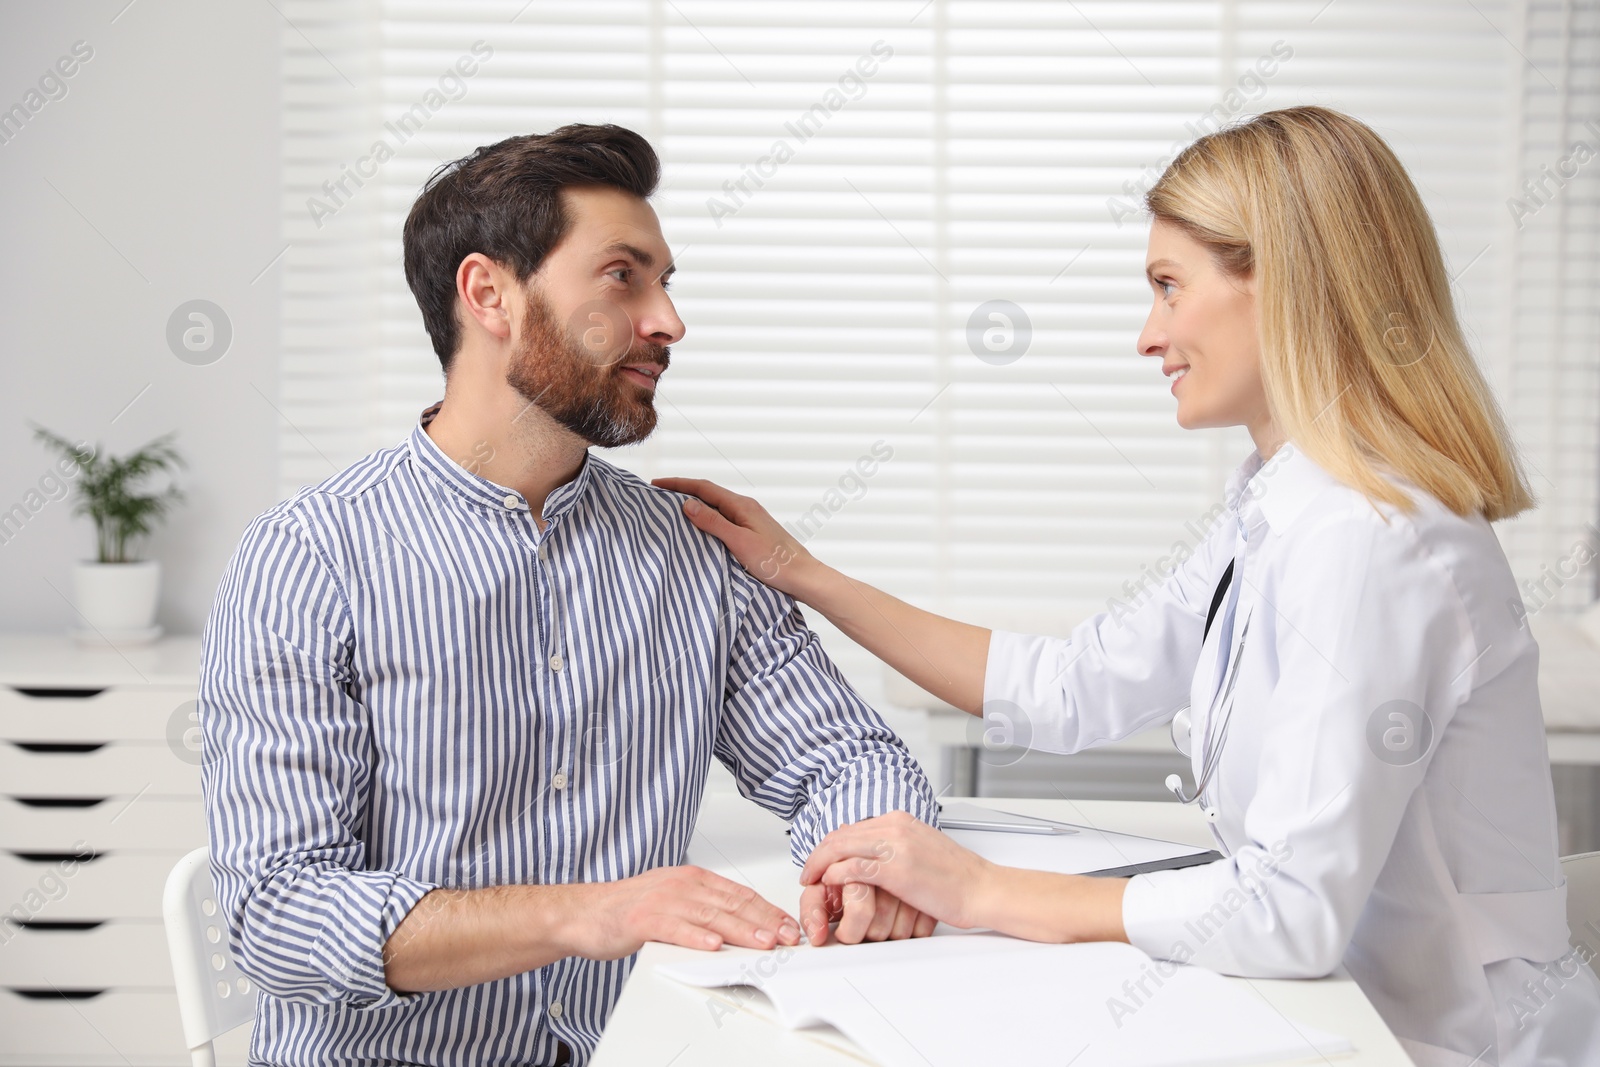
[{"x": 504, "y": 200}]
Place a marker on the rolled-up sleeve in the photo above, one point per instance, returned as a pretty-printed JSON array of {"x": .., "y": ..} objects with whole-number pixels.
[
  {"x": 286, "y": 771},
  {"x": 799, "y": 740},
  {"x": 1372, "y": 642}
]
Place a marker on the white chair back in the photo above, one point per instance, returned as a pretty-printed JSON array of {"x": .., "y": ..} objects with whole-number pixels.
[
  {"x": 1583, "y": 901},
  {"x": 213, "y": 996}
]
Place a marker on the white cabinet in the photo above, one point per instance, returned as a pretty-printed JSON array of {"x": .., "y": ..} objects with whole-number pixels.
[{"x": 99, "y": 796}]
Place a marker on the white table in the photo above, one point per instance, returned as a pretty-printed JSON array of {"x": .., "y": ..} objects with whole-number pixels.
[{"x": 658, "y": 1022}]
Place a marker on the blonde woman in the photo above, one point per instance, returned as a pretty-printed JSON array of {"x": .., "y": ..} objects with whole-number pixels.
[{"x": 1341, "y": 657}]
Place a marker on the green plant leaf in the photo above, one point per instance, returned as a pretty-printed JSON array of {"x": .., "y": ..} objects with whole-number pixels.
[{"x": 107, "y": 490}]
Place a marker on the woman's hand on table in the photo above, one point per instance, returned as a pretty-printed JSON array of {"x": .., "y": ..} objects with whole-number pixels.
[
  {"x": 926, "y": 869},
  {"x": 910, "y": 860}
]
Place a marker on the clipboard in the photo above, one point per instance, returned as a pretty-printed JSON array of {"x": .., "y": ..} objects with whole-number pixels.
[
  {"x": 1193, "y": 860},
  {"x": 1088, "y": 850}
]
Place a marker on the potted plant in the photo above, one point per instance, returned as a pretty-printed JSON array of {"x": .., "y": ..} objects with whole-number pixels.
[{"x": 116, "y": 593}]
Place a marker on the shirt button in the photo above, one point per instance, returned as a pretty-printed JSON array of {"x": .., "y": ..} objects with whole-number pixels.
[
  {"x": 555, "y": 663},
  {"x": 544, "y": 552},
  {"x": 556, "y": 1010},
  {"x": 560, "y": 780},
  {"x": 512, "y": 501}
]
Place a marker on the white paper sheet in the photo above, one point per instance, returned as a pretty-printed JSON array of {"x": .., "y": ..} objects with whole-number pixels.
[{"x": 986, "y": 998}]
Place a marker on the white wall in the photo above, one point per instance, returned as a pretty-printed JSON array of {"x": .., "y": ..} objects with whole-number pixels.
[{"x": 152, "y": 182}]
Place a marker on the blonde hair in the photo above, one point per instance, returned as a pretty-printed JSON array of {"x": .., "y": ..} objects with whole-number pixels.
[{"x": 1362, "y": 357}]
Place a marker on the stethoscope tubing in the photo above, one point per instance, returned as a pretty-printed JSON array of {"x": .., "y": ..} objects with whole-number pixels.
[{"x": 1211, "y": 755}]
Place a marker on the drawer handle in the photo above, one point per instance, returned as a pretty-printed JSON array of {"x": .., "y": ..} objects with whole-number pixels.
[
  {"x": 58, "y": 691},
  {"x": 60, "y": 747},
  {"x": 61, "y": 802},
  {"x": 68, "y": 925},
  {"x": 53, "y": 994},
  {"x": 56, "y": 857}
]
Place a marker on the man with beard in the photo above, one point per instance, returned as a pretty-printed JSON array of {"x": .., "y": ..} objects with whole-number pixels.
[{"x": 459, "y": 701}]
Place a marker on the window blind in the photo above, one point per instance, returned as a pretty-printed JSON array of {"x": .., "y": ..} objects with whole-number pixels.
[
  {"x": 910, "y": 259},
  {"x": 1551, "y": 295}
]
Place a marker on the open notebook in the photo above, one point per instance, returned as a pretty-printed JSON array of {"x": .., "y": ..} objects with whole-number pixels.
[{"x": 985, "y": 998}]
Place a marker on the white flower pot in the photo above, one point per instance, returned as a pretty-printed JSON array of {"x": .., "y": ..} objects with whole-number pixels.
[{"x": 118, "y": 600}]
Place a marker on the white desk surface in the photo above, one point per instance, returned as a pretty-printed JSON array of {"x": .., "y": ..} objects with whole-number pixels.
[
  {"x": 58, "y": 659},
  {"x": 659, "y": 1022}
]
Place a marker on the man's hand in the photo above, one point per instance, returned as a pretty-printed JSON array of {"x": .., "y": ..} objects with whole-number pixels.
[
  {"x": 863, "y": 912},
  {"x": 460, "y": 937},
  {"x": 685, "y": 906}
]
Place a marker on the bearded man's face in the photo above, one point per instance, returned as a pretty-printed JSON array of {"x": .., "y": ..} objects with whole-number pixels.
[{"x": 592, "y": 375}]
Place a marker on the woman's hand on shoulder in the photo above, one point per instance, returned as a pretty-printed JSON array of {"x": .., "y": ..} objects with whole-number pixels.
[{"x": 753, "y": 536}]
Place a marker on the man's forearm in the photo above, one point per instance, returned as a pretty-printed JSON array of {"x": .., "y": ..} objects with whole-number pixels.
[{"x": 460, "y": 937}]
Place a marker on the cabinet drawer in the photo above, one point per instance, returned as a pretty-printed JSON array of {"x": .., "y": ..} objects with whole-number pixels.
[
  {"x": 117, "y": 713},
  {"x": 115, "y": 1027},
  {"x": 97, "y": 768},
  {"x": 103, "y": 824},
  {"x": 117, "y": 954},
  {"x": 116, "y": 885}
]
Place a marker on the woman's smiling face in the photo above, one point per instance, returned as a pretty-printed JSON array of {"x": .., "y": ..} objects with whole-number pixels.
[{"x": 1202, "y": 326}]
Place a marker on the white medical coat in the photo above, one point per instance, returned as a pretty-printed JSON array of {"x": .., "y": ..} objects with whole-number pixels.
[{"x": 1383, "y": 796}]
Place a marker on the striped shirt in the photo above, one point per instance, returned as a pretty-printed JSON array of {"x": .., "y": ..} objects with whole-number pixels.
[{"x": 406, "y": 685}]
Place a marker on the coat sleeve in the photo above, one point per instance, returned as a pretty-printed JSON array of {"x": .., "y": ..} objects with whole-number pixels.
[{"x": 1125, "y": 669}]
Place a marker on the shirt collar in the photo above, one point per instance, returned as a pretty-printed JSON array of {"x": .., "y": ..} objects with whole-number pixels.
[
  {"x": 439, "y": 468},
  {"x": 1275, "y": 491}
]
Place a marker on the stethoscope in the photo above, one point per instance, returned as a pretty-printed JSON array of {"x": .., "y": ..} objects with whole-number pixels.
[{"x": 1210, "y": 754}]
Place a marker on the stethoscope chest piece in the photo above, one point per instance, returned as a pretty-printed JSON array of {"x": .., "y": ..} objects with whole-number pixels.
[
  {"x": 1211, "y": 749},
  {"x": 1180, "y": 732}
]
